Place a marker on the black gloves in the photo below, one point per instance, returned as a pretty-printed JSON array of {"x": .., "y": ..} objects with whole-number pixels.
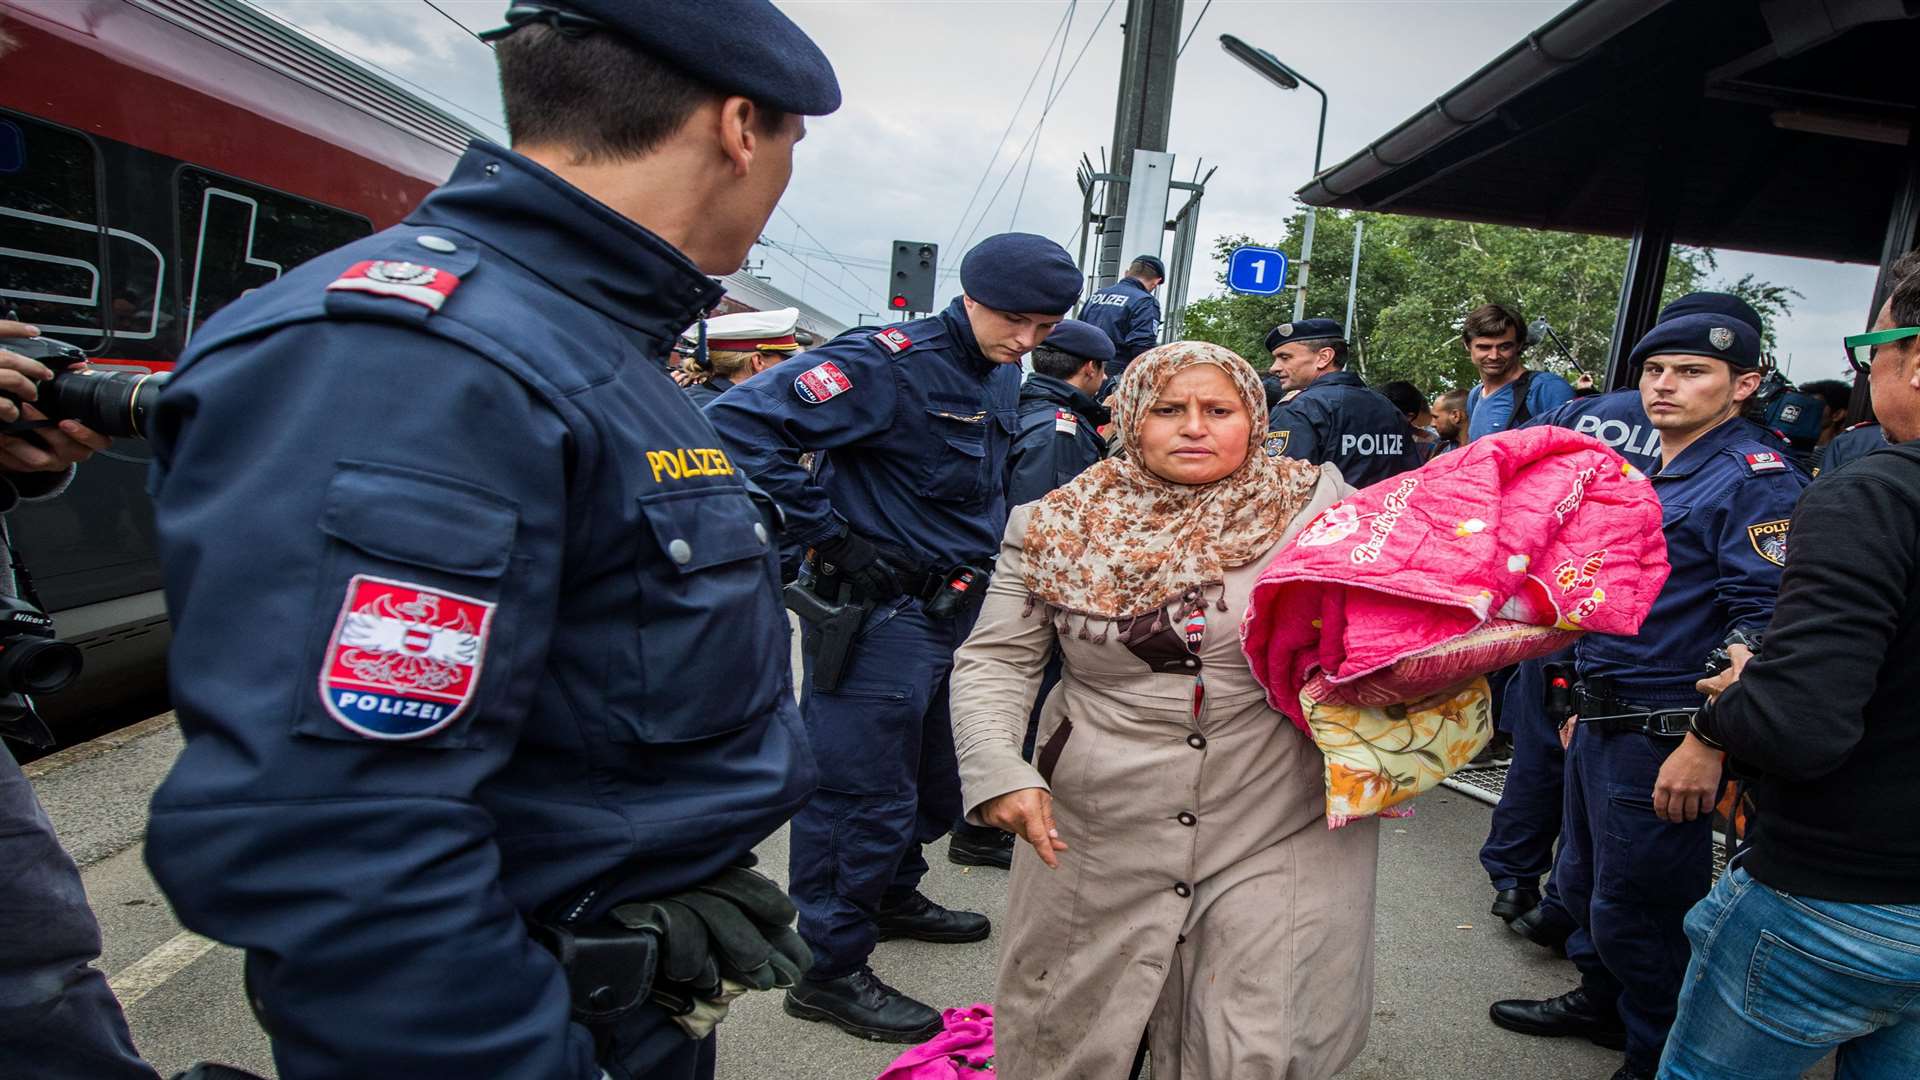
[
  {"x": 737, "y": 926},
  {"x": 876, "y": 571}
]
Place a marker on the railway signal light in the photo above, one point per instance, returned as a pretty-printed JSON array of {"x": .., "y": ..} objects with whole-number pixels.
[{"x": 910, "y": 286}]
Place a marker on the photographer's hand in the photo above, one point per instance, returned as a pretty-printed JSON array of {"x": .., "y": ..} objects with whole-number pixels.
[
  {"x": 19, "y": 376},
  {"x": 56, "y": 449},
  {"x": 49, "y": 449}
]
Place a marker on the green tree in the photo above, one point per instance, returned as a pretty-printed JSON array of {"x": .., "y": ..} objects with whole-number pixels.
[{"x": 1420, "y": 276}]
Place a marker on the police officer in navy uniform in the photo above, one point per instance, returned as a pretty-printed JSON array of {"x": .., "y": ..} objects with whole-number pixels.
[
  {"x": 1127, "y": 311},
  {"x": 1059, "y": 433},
  {"x": 1636, "y": 851},
  {"x": 446, "y": 552},
  {"x": 1526, "y": 823},
  {"x": 1850, "y": 445},
  {"x": 739, "y": 346},
  {"x": 912, "y": 426},
  {"x": 1332, "y": 415},
  {"x": 1058, "y": 437}
]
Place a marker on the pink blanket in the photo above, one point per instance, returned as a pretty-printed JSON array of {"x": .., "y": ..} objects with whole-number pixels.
[
  {"x": 960, "y": 1052},
  {"x": 1502, "y": 550}
]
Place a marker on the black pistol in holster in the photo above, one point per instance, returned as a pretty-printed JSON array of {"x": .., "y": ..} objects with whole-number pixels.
[{"x": 836, "y": 623}]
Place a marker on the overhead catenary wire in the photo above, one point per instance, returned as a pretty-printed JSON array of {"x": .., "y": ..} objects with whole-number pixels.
[
  {"x": 471, "y": 32},
  {"x": 1052, "y": 82},
  {"x": 1190, "y": 30},
  {"x": 489, "y": 121},
  {"x": 994, "y": 157},
  {"x": 798, "y": 259},
  {"x": 823, "y": 249},
  {"x": 984, "y": 211}
]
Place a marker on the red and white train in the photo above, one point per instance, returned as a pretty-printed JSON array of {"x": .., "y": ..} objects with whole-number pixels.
[{"x": 158, "y": 158}]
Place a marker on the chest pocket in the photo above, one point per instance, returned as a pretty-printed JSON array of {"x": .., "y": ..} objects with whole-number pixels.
[
  {"x": 954, "y": 468},
  {"x": 710, "y": 636},
  {"x": 417, "y": 617}
]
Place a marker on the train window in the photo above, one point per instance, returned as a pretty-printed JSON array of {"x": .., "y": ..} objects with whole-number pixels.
[
  {"x": 236, "y": 236},
  {"x": 50, "y": 257}
]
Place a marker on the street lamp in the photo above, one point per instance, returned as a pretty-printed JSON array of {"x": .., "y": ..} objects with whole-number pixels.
[{"x": 1268, "y": 66}]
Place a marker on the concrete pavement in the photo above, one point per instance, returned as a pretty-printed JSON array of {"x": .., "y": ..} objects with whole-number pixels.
[{"x": 1442, "y": 958}]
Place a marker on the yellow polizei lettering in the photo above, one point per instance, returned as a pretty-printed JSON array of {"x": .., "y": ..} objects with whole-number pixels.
[{"x": 683, "y": 462}]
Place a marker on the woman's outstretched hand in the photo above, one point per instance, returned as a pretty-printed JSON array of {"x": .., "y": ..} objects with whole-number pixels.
[{"x": 1027, "y": 814}]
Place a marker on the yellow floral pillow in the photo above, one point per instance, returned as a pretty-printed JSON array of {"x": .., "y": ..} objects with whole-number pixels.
[{"x": 1379, "y": 757}]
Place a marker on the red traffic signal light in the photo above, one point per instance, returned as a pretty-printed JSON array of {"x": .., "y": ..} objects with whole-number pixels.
[{"x": 899, "y": 302}]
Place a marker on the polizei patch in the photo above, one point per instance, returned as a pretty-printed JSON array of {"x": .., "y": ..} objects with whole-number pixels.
[
  {"x": 1769, "y": 540},
  {"x": 404, "y": 660},
  {"x": 821, "y": 382}
]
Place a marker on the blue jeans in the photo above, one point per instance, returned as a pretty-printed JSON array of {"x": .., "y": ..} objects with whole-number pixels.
[{"x": 1777, "y": 982}]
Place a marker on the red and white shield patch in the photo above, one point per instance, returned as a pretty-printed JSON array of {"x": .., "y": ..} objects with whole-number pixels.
[
  {"x": 821, "y": 382},
  {"x": 423, "y": 285},
  {"x": 404, "y": 660}
]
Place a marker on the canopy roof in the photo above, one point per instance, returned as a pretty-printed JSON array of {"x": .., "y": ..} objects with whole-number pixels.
[{"x": 1778, "y": 126}]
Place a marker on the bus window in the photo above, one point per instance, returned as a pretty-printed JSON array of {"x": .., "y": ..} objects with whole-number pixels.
[
  {"x": 51, "y": 244},
  {"x": 236, "y": 236}
]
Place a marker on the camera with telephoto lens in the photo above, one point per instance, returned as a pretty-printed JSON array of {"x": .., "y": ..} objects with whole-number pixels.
[{"x": 116, "y": 403}]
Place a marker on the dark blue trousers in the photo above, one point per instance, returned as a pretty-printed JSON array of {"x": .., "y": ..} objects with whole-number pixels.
[
  {"x": 1628, "y": 878},
  {"x": 1526, "y": 822},
  {"x": 889, "y": 782},
  {"x": 57, "y": 1017}
]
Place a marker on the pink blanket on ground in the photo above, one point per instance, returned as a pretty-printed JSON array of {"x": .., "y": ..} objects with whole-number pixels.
[
  {"x": 1506, "y": 549},
  {"x": 960, "y": 1052}
]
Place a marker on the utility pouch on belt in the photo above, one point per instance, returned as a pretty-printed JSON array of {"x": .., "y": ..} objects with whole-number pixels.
[{"x": 609, "y": 969}]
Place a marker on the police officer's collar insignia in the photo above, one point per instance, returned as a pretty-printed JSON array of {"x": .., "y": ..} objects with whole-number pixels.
[
  {"x": 1276, "y": 443},
  {"x": 822, "y": 382},
  {"x": 1769, "y": 538},
  {"x": 424, "y": 285},
  {"x": 893, "y": 339},
  {"x": 404, "y": 659},
  {"x": 1766, "y": 461},
  {"x": 1720, "y": 337}
]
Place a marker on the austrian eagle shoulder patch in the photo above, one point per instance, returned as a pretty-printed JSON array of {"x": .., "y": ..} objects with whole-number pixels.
[{"x": 1769, "y": 539}]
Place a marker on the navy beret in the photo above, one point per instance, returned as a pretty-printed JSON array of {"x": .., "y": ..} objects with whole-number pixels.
[
  {"x": 1084, "y": 340},
  {"x": 1717, "y": 335},
  {"x": 744, "y": 47},
  {"x": 1153, "y": 263},
  {"x": 1304, "y": 330},
  {"x": 1021, "y": 272},
  {"x": 1711, "y": 303}
]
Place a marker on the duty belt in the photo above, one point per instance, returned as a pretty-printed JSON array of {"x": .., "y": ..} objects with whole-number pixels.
[{"x": 1609, "y": 715}]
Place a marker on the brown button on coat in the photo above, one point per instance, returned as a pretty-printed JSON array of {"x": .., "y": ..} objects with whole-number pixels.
[{"x": 1203, "y": 898}]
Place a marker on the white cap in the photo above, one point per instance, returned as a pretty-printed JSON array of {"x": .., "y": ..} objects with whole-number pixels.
[{"x": 746, "y": 331}]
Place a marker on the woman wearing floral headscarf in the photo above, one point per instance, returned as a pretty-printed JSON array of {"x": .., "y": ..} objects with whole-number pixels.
[{"x": 1181, "y": 880}]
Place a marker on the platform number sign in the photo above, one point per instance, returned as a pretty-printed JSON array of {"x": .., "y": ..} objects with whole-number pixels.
[{"x": 1258, "y": 270}]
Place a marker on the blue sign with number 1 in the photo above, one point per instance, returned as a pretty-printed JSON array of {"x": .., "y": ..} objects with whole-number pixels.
[{"x": 1258, "y": 270}]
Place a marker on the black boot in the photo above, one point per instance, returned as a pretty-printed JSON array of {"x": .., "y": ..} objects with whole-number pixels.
[
  {"x": 860, "y": 1004},
  {"x": 1546, "y": 927},
  {"x": 1572, "y": 1013},
  {"x": 1510, "y": 904},
  {"x": 973, "y": 845},
  {"x": 1628, "y": 1072},
  {"x": 923, "y": 920}
]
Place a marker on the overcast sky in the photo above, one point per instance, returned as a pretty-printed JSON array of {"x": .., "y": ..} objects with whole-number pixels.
[{"x": 931, "y": 86}]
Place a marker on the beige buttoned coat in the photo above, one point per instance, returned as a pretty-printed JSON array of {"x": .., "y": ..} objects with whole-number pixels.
[{"x": 1203, "y": 898}]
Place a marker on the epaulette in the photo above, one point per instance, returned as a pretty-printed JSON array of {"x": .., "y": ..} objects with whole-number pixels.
[
  {"x": 1863, "y": 424},
  {"x": 1765, "y": 461}
]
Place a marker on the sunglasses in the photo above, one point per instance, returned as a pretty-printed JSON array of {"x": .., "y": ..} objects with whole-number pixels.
[{"x": 1860, "y": 346}]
